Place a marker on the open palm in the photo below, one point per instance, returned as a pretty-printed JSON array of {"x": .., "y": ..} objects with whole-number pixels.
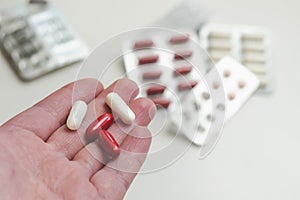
[{"x": 41, "y": 159}]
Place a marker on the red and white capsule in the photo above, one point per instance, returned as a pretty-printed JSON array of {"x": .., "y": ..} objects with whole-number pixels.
[
  {"x": 101, "y": 123},
  {"x": 108, "y": 144}
]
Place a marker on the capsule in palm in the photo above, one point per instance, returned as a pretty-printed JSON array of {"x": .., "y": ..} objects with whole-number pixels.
[
  {"x": 102, "y": 122},
  {"x": 76, "y": 115},
  {"x": 119, "y": 106},
  {"x": 108, "y": 144}
]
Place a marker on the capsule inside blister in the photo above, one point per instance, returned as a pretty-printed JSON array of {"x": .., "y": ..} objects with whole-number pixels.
[
  {"x": 252, "y": 44},
  {"x": 151, "y": 75},
  {"x": 219, "y": 35},
  {"x": 224, "y": 48},
  {"x": 179, "y": 39},
  {"x": 248, "y": 37},
  {"x": 259, "y": 69},
  {"x": 217, "y": 54},
  {"x": 143, "y": 44},
  {"x": 259, "y": 61},
  {"x": 264, "y": 80},
  {"x": 253, "y": 49}
]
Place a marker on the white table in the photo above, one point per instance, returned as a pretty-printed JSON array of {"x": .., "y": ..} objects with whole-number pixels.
[{"x": 258, "y": 155}]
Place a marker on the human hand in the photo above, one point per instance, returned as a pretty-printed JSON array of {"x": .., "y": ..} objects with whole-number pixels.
[{"x": 40, "y": 158}]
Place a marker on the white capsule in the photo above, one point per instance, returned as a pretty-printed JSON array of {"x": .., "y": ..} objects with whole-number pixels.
[
  {"x": 76, "y": 115},
  {"x": 118, "y": 106}
]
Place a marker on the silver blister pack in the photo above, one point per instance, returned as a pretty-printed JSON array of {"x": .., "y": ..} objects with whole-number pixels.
[{"x": 36, "y": 39}]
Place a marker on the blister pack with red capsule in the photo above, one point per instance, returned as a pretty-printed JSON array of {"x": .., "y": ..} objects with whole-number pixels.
[{"x": 166, "y": 64}]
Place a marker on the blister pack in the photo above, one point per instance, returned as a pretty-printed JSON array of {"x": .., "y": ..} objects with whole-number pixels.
[
  {"x": 189, "y": 15},
  {"x": 249, "y": 45},
  {"x": 170, "y": 68},
  {"x": 36, "y": 40},
  {"x": 210, "y": 104},
  {"x": 165, "y": 64}
]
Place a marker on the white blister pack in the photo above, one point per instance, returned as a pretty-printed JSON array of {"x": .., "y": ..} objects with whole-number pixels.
[
  {"x": 36, "y": 39},
  {"x": 165, "y": 64},
  {"x": 210, "y": 104},
  {"x": 249, "y": 45}
]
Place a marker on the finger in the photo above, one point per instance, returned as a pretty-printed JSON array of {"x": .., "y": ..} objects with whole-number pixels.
[
  {"x": 92, "y": 158},
  {"x": 49, "y": 114},
  {"x": 114, "y": 179},
  {"x": 70, "y": 142}
]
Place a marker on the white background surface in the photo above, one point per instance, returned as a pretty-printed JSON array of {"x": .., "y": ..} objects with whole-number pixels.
[{"x": 258, "y": 155}]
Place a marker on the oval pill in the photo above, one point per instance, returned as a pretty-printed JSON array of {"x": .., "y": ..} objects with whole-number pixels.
[
  {"x": 102, "y": 122},
  {"x": 205, "y": 95},
  {"x": 231, "y": 96},
  {"x": 118, "y": 105},
  {"x": 216, "y": 85},
  {"x": 241, "y": 84},
  {"x": 108, "y": 144},
  {"x": 76, "y": 115},
  {"x": 226, "y": 73}
]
